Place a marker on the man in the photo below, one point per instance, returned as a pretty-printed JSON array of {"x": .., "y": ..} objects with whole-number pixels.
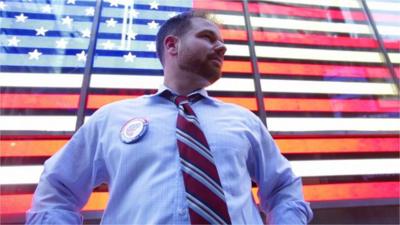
[{"x": 151, "y": 150}]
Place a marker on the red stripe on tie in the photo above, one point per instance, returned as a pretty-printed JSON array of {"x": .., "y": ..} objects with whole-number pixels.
[
  {"x": 197, "y": 160},
  {"x": 193, "y": 130},
  {"x": 196, "y": 218},
  {"x": 206, "y": 196}
]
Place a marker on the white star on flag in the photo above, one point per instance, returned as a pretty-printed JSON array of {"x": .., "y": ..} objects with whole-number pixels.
[
  {"x": 13, "y": 41},
  {"x": 154, "y": 5},
  {"x": 41, "y": 31},
  {"x": 153, "y": 24},
  {"x": 62, "y": 43},
  {"x": 89, "y": 11},
  {"x": 72, "y": 2},
  {"x": 133, "y": 13},
  {"x": 113, "y": 3},
  {"x": 21, "y": 18},
  {"x": 129, "y": 57},
  {"x": 46, "y": 9},
  {"x": 67, "y": 21},
  {"x": 151, "y": 47},
  {"x": 108, "y": 45},
  {"x": 172, "y": 14},
  {"x": 34, "y": 55},
  {"x": 2, "y": 5},
  {"x": 81, "y": 56},
  {"x": 132, "y": 35},
  {"x": 85, "y": 33},
  {"x": 111, "y": 22}
]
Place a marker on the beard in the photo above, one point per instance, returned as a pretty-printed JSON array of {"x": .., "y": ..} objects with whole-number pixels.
[{"x": 205, "y": 67}]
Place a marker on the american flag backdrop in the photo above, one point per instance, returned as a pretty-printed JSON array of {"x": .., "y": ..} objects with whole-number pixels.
[{"x": 331, "y": 101}]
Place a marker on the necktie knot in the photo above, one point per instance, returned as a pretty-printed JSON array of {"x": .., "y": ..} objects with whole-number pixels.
[{"x": 180, "y": 99}]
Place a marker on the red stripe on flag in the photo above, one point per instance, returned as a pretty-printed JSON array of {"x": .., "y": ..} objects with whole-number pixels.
[
  {"x": 314, "y": 39},
  {"x": 348, "y": 144},
  {"x": 301, "y": 69},
  {"x": 284, "y": 10},
  {"x": 330, "y": 105},
  {"x": 18, "y": 204},
  {"x": 218, "y": 5},
  {"x": 302, "y": 145}
]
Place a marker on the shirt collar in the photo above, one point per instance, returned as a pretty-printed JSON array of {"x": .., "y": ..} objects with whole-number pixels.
[{"x": 201, "y": 91}]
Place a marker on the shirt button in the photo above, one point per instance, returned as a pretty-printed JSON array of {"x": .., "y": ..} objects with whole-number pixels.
[{"x": 181, "y": 211}]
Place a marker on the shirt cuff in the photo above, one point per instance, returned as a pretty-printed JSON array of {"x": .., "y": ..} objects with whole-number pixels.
[
  {"x": 290, "y": 213},
  {"x": 53, "y": 216}
]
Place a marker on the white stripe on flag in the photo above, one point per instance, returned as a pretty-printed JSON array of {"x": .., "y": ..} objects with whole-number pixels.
[{"x": 303, "y": 168}]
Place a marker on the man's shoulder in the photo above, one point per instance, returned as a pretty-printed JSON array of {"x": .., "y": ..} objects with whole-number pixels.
[
  {"x": 234, "y": 108},
  {"x": 113, "y": 108}
]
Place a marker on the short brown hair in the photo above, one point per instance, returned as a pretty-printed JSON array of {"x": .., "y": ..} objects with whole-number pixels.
[{"x": 178, "y": 26}]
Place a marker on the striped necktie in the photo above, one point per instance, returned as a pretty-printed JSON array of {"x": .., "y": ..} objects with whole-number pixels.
[{"x": 204, "y": 192}]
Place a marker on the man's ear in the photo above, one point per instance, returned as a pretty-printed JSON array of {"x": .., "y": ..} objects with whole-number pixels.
[{"x": 171, "y": 44}]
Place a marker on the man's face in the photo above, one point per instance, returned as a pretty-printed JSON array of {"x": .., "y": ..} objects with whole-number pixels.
[{"x": 201, "y": 50}]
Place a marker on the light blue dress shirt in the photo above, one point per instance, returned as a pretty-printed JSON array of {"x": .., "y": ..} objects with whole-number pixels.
[{"x": 144, "y": 178}]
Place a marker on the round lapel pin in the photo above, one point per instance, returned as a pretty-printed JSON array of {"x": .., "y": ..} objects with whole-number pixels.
[{"x": 133, "y": 130}]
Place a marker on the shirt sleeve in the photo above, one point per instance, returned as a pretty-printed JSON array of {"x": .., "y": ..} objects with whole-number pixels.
[
  {"x": 280, "y": 190},
  {"x": 68, "y": 179}
]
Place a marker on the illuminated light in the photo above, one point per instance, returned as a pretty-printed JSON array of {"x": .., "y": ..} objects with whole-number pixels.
[
  {"x": 40, "y": 80},
  {"x": 237, "y": 67},
  {"x": 153, "y": 82},
  {"x": 30, "y": 148},
  {"x": 322, "y": 145},
  {"x": 328, "y": 3},
  {"x": 314, "y": 39},
  {"x": 97, "y": 101},
  {"x": 392, "y": 44},
  {"x": 229, "y": 19},
  {"x": 389, "y": 30},
  {"x": 249, "y": 103},
  {"x": 345, "y": 167},
  {"x": 394, "y": 57},
  {"x": 218, "y": 5},
  {"x": 286, "y": 124},
  {"x": 347, "y": 191},
  {"x": 296, "y": 24},
  {"x": 46, "y": 148},
  {"x": 330, "y": 105},
  {"x": 293, "y": 10},
  {"x": 327, "y": 87},
  {"x": 237, "y": 50},
  {"x": 296, "y": 124},
  {"x": 386, "y": 17},
  {"x": 20, "y": 174},
  {"x": 299, "y": 69},
  {"x": 318, "y": 54},
  {"x": 228, "y": 34},
  {"x": 125, "y": 81},
  {"x": 39, "y": 101},
  {"x": 16, "y": 204},
  {"x": 37, "y": 123},
  {"x": 233, "y": 84},
  {"x": 302, "y": 168},
  {"x": 19, "y": 204},
  {"x": 385, "y": 6}
]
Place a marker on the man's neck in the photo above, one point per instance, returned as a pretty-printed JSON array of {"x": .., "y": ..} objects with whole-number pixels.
[{"x": 184, "y": 83}]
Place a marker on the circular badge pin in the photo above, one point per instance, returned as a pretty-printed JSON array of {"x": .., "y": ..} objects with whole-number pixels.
[{"x": 133, "y": 130}]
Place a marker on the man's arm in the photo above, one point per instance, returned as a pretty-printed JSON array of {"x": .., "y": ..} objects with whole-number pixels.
[
  {"x": 67, "y": 180},
  {"x": 280, "y": 190}
]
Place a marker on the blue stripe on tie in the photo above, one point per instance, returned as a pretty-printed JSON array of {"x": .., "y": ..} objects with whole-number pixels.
[
  {"x": 189, "y": 118},
  {"x": 202, "y": 209},
  {"x": 203, "y": 178},
  {"x": 194, "y": 144}
]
